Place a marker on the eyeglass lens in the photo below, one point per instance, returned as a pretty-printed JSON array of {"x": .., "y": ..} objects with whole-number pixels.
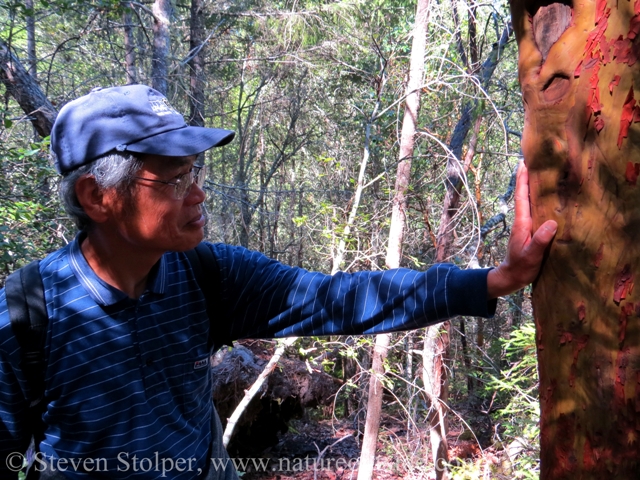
[{"x": 197, "y": 175}]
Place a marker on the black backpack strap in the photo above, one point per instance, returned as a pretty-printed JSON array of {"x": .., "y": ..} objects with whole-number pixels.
[
  {"x": 207, "y": 273},
  {"x": 28, "y": 314}
]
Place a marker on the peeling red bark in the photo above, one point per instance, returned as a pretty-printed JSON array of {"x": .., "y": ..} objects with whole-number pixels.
[
  {"x": 582, "y": 312},
  {"x": 580, "y": 344},
  {"x": 626, "y": 117},
  {"x": 623, "y": 285},
  {"x": 632, "y": 172},
  {"x": 625, "y": 312},
  {"x": 588, "y": 455},
  {"x": 565, "y": 336},
  {"x": 567, "y": 461},
  {"x": 622, "y": 361},
  {"x": 614, "y": 83}
]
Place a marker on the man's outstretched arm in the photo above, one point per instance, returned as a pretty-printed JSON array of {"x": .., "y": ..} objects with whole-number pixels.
[{"x": 525, "y": 251}]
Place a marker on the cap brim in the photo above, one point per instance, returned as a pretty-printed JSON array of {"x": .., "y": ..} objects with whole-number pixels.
[{"x": 182, "y": 141}]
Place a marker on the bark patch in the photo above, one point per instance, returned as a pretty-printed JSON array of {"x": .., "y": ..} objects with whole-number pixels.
[
  {"x": 632, "y": 172},
  {"x": 625, "y": 313},
  {"x": 549, "y": 23},
  {"x": 623, "y": 285},
  {"x": 578, "y": 346},
  {"x": 626, "y": 117},
  {"x": 614, "y": 83}
]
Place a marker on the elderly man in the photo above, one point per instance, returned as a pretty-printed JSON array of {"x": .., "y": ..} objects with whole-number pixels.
[{"x": 127, "y": 384}]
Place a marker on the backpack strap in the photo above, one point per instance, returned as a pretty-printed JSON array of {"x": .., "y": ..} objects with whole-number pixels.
[
  {"x": 28, "y": 314},
  {"x": 207, "y": 272}
]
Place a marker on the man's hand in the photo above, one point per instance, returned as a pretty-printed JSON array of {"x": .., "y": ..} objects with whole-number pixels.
[{"x": 524, "y": 253}]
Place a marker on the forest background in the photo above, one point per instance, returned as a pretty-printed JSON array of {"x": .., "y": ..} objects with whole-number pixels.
[{"x": 316, "y": 93}]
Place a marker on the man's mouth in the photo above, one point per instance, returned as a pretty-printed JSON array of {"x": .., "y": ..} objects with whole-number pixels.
[{"x": 199, "y": 220}]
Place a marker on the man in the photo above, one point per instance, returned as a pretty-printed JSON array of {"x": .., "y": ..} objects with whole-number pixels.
[{"x": 128, "y": 390}]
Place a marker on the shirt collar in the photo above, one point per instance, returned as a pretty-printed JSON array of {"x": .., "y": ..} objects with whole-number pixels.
[{"x": 99, "y": 290}]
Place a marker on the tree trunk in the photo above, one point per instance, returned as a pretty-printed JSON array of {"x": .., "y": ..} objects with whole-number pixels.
[
  {"x": 455, "y": 168},
  {"x": 437, "y": 339},
  {"x": 162, "y": 11},
  {"x": 196, "y": 64},
  {"x": 396, "y": 229},
  {"x": 436, "y": 384},
  {"x": 577, "y": 67},
  {"x": 407, "y": 135},
  {"x": 129, "y": 45},
  {"x": 374, "y": 408},
  {"x": 466, "y": 355},
  {"x": 31, "y": 40},
  {"x": 24, "y": 89}
]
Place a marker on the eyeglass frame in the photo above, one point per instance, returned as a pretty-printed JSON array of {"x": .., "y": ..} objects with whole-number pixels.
[{"x": 197, "y": 173}]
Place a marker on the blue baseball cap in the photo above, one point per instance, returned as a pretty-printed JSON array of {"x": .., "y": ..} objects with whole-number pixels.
[{"x": 133, "y": 118}]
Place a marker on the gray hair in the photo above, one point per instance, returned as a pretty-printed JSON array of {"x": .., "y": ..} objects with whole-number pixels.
[{"x": 115, "y": 170}]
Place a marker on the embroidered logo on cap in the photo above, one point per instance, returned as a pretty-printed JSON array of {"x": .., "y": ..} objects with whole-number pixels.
[
  {"x": 161, "y": 107},
  {"x": 201, "y": 363}
]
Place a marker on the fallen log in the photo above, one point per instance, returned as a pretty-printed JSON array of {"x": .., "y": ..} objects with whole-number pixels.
[{"x": 291, "y": 388}]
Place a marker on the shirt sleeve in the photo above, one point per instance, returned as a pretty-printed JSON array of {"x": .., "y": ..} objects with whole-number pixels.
[
  {"x": 263, "y": 298},
  {"x": 14, "y": 430}
]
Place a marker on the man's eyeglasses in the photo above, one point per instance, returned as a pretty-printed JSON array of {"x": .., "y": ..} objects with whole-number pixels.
[{"x": 182, "y": 183}]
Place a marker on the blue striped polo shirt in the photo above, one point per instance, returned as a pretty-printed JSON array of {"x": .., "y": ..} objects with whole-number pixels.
[{"x": 127, "y": 380}]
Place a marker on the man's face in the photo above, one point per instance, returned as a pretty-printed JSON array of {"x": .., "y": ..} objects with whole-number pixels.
[{"x": 153, "y": 218}]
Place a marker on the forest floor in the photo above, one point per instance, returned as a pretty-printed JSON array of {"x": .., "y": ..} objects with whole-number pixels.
[
  {"x": 321, "y": 447},
  {"x": 329, "y": 450}
]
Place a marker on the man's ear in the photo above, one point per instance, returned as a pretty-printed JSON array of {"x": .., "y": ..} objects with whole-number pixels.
[{"x": 93, "y": 200}]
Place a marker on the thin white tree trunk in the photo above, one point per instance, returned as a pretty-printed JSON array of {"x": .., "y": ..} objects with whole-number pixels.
[
  {"x": 162, "y": 11},
  {"x": 396, "y": 230},
  {"x": 374, "y": 408},
  {"x": 407, "y": 135},
  {"x": 436, "y": 385}
]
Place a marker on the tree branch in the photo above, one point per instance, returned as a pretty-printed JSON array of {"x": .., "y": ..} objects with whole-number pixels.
[{"x": 24, "y": 89}]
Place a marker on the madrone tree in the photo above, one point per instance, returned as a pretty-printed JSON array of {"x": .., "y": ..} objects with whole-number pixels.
[{"x": 579, "y": 73}]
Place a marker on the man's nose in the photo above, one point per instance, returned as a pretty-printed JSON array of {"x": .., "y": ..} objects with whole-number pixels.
[{"x": 196, "y": 194}]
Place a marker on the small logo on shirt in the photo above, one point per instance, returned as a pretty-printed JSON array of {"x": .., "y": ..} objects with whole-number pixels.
[{"x": 201, "y": 363}]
